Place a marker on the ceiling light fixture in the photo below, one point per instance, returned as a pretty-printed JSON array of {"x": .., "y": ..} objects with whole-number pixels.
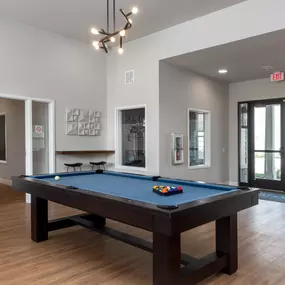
[
  {"x": 223, "y": 71},
  {"x": 267, "y": 67},
  {"x": 109, "y": 36}
]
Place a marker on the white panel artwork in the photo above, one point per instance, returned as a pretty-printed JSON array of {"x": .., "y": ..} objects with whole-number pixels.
[
  {"x": 76, "y": 113},
  {"x": 69, "y": 115},
  {"x": 82, "y": 122},
  {"x": 72, "y": 129},
  {"x": 81, "y": 127},
  {"x": 84, "y": 116},
  {"x": 92, "y": 116}
]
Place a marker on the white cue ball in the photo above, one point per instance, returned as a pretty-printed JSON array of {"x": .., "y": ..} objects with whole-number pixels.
[{"x": 57, "y": 178}]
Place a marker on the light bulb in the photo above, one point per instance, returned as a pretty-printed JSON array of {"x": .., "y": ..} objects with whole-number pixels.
[
  {"x": 130, "y": 21},
  {"x": 95, "y": 43},
  {"x": 135, "y": 10},
  {"x": 112, "y": 39},
  {"x": 120, "y": 50},
  {"x": 122, "y": 33},
  {"x": 94, "y": 31},
  {"x": 223, "y": 71}
]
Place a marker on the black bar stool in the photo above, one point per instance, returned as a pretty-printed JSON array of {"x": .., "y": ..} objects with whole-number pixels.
[
  {"x": 74, "y": 166},
  {"x": 98, "y": 165}
]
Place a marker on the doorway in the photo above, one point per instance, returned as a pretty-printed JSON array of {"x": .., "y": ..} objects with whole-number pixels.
[
  {"x": 261, "y": 143},
  {"x": 39, "y": 135}
]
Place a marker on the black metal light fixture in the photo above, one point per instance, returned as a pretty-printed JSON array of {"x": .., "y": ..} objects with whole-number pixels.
[{"x": 110, "y": 36}]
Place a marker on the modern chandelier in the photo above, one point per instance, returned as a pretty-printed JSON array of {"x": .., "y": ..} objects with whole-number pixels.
[{"x": 111, "y": 36}]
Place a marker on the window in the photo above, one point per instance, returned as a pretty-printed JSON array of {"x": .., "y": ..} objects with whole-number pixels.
[
  {"x": 199, "y": 138},
  {"x": 131, "y": 138},
  {"x": 3, "y": 145}
]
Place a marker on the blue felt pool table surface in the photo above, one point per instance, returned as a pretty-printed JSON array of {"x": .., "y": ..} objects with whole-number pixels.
[{"x": 136, "y": 187}]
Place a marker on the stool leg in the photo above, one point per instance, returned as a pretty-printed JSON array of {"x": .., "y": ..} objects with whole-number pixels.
[
  {"x": 67, "y": 168},
  {"x": 80, "y": 168},
  {"x": 74, "y": 169}
]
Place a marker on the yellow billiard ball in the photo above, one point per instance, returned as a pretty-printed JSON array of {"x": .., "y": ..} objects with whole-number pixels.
[{"x": 57, "y": 178}]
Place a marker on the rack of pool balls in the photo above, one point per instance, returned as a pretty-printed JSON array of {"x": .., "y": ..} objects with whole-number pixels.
[{"x": 167, "y": 190}]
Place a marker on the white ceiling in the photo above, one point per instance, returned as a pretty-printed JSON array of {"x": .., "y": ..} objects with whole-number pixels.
[
  {"x": 73, "y": 18},
  {"x": 243, "y": 59}
]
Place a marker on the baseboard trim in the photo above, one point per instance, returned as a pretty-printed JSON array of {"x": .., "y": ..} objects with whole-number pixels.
[{"x": 6, "y": 182}]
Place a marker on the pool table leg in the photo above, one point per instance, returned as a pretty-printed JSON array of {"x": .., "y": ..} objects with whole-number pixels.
[
  {"x": 39, "y": 219},
  {"x": 227, "y": 242},
  {"x": 166, "y": 259}
]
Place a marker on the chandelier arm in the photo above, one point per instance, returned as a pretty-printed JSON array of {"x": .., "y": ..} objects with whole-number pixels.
[
  {"x": 103, "y": 32},
  {"x": 128, "y": 26},
  {"x": 125, "y": 16},
  {"x": 108, "y": 36},
  {"x": 104, "y": 47}
]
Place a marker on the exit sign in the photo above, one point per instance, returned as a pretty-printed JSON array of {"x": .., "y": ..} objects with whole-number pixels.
[{"x": 277, "y": 76}]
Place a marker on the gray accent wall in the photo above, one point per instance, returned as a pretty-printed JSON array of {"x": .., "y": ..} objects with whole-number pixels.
[
  {"x": 15, "y": 130},
  {"x": 246, "y": 91},
  {"x": 39, "y": 64},
  {"x": 179, "y": 90}
]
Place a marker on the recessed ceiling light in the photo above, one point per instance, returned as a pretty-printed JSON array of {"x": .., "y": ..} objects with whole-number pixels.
[
  {"x": 267, "y": 67},
  {"x": 223, "y": 71}
]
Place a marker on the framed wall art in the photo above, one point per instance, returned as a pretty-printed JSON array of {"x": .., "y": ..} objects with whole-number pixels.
[{"x": 177, "y": 149}]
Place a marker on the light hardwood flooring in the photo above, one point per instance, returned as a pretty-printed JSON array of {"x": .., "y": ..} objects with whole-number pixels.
[{"x": 77, "y": 256}]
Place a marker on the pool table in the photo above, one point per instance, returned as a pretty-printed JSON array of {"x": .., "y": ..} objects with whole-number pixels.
[{"x": 129, "y": 198}]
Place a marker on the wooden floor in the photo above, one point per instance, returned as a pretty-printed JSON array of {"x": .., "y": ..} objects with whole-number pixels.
[{"x": 76, "y": 256}]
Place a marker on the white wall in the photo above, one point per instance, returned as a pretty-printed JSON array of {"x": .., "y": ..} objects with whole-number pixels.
[
  {"x": 38, "y": 64},
  {"x": 247, "y": 91},
  {"x": 143, "y": 92},
  {"x": 179, "y": 90},
  {"x": 143, "y": 55},
  {"x": 15, "y": 130}
]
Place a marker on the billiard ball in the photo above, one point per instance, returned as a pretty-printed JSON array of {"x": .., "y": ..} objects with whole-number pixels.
[{"x": 57, "y": 178}]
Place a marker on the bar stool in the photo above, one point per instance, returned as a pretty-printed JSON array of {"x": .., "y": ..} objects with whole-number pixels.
[
  {"x": 98, "y": 165},
  {"x": 74, "y": 166}
]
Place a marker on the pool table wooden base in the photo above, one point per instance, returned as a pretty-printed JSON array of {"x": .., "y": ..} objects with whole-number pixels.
[{"x": 170, "y": 267}]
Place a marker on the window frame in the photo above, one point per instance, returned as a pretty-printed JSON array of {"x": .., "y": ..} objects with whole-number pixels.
[
  {"x": 207, "y": 138},
  {"x": 6, "y": 145},
  {"x": 118, "y": 139}
]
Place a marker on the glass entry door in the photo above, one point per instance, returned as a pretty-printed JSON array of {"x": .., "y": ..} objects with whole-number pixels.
[{"x": 266, "y": 153}]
